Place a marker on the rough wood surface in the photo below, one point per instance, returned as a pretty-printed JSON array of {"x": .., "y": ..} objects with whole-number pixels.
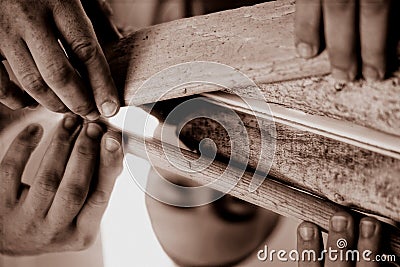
[
  {"x": 271, "y": 195},
  {"x": 345, "y": 174},
  {"x": 259, "y": 42}
]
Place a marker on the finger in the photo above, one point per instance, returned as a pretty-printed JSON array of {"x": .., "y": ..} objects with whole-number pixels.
[
  {"x": 100, "y": 13},
  {"x": 374, "y": 26},
  {"x": 58, "y": 73},
  {"x": 341, "y": 238},
  {"x": 109, "y": 168},
  {"x": 79, "y": 36},
  {"x": 14, "y": 161},
  {"x": 25, "y": 70},
  {"x": 10, "y": 94},
  {"x": 52, "y": 166},
  {"x": 341, "y": 37},
  {"x": 308, "y": 27},
  {"x": 309, "y": 245},
  {"x": 369, "y": 242},
  {"x": 74, "y": 186}
]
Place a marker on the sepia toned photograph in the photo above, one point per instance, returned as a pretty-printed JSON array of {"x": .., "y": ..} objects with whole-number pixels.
[{"x": 199, "y": 133}]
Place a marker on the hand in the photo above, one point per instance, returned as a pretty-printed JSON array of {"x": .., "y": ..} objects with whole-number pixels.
[
  {"x": 62, "y": 209},
  {"x": 342, "y": 236},
  {"x": 30, "y": 31},
  {"x": 353, "y": 30}
]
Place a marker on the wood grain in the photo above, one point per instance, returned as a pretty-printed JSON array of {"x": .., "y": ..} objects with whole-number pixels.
[
  {"x": 259, "y": 42},
  {"x": 343, "y": 173},
  {"x": 271, "y": 195}
]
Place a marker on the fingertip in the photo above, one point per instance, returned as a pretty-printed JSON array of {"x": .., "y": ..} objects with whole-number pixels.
[
  {"x": 92, "y": 116},
  {"x": 109, "y": 108},
  {"x": 307, "y": 231},
  {"x": 111, "y": 144},
  {"x": 306, "y": 50},
  {"x": 35, "y": 130},
  {"x": 371, "y": 73},
  {"x": 112, "y": 153},
  {"x": 369, "y": 227},
  {"x": 341, "y": 222},
  {"x": 32, "y": 133},
  {"x": 70, "y": 121},
  {"x": 340, "y": 75},
  {"x": 94, "y": 131},
  {"x": 344, "y": 75}
]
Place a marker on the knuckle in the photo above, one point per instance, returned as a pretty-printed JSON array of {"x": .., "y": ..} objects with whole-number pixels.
[
  {"x": 74, "y": 194},
  {"x": 86, "y": 241},
  {"x": 340, "y": 6},
  {"x": 58, "y": 74},
  {"x": 99, "y": 199},
  {"x": 8, "y": 168},
  {"x": 86, "y": 150},
  {"x": 86, "y": 49},
  {"x": 61, "y": 140},
  {"x": 373, "y": 7},
  {"x": 48, "y": 183},
  {"x": 34, "y": 83}
]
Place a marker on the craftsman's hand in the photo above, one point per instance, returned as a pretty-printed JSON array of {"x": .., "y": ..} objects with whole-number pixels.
[
  {"x": 63, "y": 207},
  {"x": 353, "y": 30},
  {"x": 343, "y": 236},
  {"x": 30, "y": 31}
]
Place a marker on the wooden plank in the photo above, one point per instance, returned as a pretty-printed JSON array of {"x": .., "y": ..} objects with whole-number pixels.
[
  {"x": 257, "y": 41},
  {"x": 271, "y": 195},
  {"x": 346, "y": 174}
]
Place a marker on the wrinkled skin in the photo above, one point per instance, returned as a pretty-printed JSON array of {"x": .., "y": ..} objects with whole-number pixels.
[
  {"x": 30, "y": 31},
  {"x": 62, "y": 208},
  {"x": 360, "y": 36}
]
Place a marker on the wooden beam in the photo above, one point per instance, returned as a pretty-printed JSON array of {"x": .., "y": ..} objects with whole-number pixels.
[
  {"x": 259, "y": 42},
  {"x": 346, "y": 174},
  {"x": 271, "y": 195}
]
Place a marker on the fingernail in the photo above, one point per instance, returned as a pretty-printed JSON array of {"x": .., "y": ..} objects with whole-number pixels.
[
  {"x": 92, "y": 116},
  {"x": 305, "y": 50},
  {"x": 367, "y": 228},
  {"x": 307, "y": 233},
  {"x": 112, "y": 145},
  {"x": 339, "y": 223},
  {"x": 93, "y": 131},
  {"x": 109, "y": 108},
  {"x": 70, "y": 122},
  {"x": 370, "y": 73},
  {"x": 340, "y": 75}
]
